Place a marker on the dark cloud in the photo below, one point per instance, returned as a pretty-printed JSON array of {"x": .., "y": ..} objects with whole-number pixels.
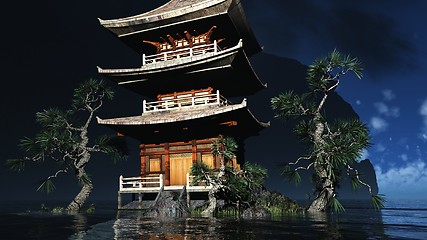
[{"x": 308, "y": 29}]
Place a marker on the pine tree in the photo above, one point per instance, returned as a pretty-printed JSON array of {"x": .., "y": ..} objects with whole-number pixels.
[
  {"x": 64, "y": 139},
  {"x": 332, "y": 146}
]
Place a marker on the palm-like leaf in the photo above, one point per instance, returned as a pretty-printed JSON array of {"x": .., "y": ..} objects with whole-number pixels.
[
  {"x": 336, "y": 206},
  {"x": 291, "y": 175},
  {"x": 46, "y": 185},
  {"x": 225, "y": 147},
  {"x": 90, "y": 93},
  {"x": 115, "y": 146},
  {"x": 15, "y": 164},
  {"x": 200, "y": 171},
  {"x": 378, "y": 201}
]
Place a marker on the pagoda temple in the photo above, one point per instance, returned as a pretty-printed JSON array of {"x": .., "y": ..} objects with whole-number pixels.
[{"x": 194, "y": 58}]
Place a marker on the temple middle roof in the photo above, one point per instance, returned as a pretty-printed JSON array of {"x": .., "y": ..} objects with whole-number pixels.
[{"x": 228, "y": 70}]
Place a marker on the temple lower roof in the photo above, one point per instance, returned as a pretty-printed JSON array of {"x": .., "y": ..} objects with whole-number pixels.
[
  {"x": 178, "y": 16},
  {"x": 188, "y": 123}
]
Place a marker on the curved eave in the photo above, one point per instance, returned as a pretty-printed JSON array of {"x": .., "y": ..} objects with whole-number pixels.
[
  {"x": 229, "y": 72},
  {"x": 187, "y": 124},
  {"x": 171, "y": 9},
  {"x": 228, "y": 15}
]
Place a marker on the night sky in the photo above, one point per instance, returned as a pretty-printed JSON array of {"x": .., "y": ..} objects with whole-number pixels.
[{"x": 49, "y": 47}]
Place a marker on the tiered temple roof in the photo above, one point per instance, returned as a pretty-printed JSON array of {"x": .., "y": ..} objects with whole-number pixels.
[
  {"x": 188, "y": 123},
  {"x": 206, "y": 65},
  {"x": 178, "y": 16},
  {"x": 188, "y": 44}
]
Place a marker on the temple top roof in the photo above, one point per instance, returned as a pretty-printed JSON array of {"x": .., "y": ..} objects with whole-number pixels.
[
  {"x": 151, "y": 127},
  {"x": 171, "y": 9},
  {"x": 178, "y": 16}
]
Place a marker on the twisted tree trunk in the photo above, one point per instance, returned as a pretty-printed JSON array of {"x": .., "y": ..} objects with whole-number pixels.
[
  {"x": 321, "y": 202},
  {"x": 77, "y": 203},
  {"x": 209, "y": 211}
]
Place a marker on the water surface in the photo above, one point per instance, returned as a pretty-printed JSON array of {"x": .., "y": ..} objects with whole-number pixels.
[{"x": 399, "y": 220}]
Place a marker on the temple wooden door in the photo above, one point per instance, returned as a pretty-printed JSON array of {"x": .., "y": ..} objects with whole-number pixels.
[{"x": 180, "y": 165}]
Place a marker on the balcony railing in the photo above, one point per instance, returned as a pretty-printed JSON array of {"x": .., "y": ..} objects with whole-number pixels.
[
  {"x": 156, "y": 183},
  {"x": 139, "y": 183},
  {"x": 184, "y": 101},
  {"x": 180, "y": 53}
]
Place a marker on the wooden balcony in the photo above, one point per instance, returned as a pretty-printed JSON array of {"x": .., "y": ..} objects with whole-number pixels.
[
  {"x": 183, "y": 53},
  {"x": 184, "y": 101}
]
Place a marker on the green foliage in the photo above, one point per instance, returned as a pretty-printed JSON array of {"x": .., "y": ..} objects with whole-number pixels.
[
  {"x": 58, "y": 210},
  {"x": 324, "y": 72},
  {"x": 378, "y": 201},
  {"x": 242, "y": 187},
  {"x": 288, "y": 105},
  {"x": 254, "y": 175},
  {"x": 303, "y": 129},
  {"x": 91, "y": 209},
  {"x": 277, "y": 204},
  {"x": 115, "y": 146},
  {"x": 331, "y": 146},
  {"x": 291, "y": 174},
  {"x": 63, "y": 137},
  {"x": 236, "y": 188},
  {"x": 98, "y": 89},
  {"x": 336, "y": 206},
  {"x": 200, "y": 172},
  {"x": 225, "y": 147},
  {"x": 47, "y": 186},
  {"x": 16, "y": 164}
]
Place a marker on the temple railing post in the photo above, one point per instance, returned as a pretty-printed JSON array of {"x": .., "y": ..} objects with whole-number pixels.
[
  {"x": 161, "y": 181},
  {"x": 121, "y": 183},
  {"x": 144, "y": 105},
  {"x": 143, "y": 59},
  {"x": 188, "y": 180},
  {"x": 218, "y": 97}
]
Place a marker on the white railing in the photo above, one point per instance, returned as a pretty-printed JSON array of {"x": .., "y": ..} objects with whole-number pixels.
[
  {"x": 180, "y": 53},
  {"x": 198, "y": 185},
  {"x": 184, "y": 102},
  {"x": 140, "y": 183},
  {"x": 156, "y": 183}
]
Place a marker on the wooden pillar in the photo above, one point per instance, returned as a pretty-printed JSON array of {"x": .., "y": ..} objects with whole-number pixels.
[
  {"x": 119, "y": 201},
  {"x": 194, "y": 151},
  {"x": 143, "y": 160},
  {"x": 167, "y": 165},
  {"x": 140, "y": 200}
]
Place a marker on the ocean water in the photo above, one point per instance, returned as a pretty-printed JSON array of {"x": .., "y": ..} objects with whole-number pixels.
[{"x": 404, "y": 219}]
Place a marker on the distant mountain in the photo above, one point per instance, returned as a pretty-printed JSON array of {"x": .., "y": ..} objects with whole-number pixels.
[{"x": 277, "y": 145}]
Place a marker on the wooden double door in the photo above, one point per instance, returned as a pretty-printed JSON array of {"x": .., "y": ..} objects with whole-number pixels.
[{"x": 180, "y": 165}]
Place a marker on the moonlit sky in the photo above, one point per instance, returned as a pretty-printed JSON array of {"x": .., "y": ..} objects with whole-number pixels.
[{"x": 45, "y": 44}]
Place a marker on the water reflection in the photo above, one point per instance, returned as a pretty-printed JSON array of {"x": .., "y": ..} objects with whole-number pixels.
[{"x": 354, "y": 224}]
